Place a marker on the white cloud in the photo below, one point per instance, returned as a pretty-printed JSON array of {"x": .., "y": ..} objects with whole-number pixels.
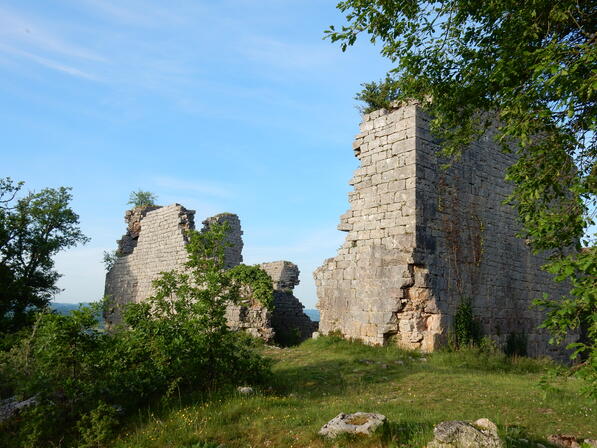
[{"x": 28, "y": 38}]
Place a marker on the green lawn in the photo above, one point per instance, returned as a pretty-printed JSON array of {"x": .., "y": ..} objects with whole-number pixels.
[{"x": 321, "y": 378}]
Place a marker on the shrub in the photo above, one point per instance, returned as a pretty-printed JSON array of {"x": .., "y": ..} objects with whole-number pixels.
[
  {"x": 142, "y": 198},
  {"x": 466, "y": 330},
  {"x": 516, "y": 344},
  {"x": 176, "y": 340}
]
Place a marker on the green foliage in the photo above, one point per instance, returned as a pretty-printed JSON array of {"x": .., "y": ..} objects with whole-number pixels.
[
  {"x": 577, "y": 311},
  {"x": 257, "y": 281},
  {"x": 33, "y": 229},
  {"x": 528, "y": 71},
  {"x": 97, "y": 427},
  {"x": 142, "y": 198},
  {"x": 109, "y": 258},
  {"x": 176, "y": 340},
  {"x": 516, "y": 344},
  {"x": 466, "y": 331},
  {"x": 377, "y": 95}
]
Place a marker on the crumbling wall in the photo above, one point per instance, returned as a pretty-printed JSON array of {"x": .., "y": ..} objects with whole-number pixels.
[
  {"x": 422, "y": 239},
  {"x": 155, "y": 242},
  {"x": 289, "y": 321}
]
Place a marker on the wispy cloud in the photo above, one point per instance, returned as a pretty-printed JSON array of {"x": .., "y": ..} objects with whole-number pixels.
[
  {"x": 54, "y": 65},
  {"x": 31, "y": 39}
]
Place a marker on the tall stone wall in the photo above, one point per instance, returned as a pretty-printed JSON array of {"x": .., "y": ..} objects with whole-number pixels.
[
  {"x": 155, "y": 242},
  {"x": 422, "y": 239}
]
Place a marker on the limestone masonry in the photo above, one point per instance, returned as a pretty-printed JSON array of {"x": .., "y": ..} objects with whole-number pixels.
[
  {"x": 155, "y": 242},
  {"x": 420, "y": 239}
]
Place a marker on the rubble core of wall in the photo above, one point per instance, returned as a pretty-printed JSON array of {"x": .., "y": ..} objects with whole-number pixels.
[
  {"x": 155, "y": 242},
  {"x": 288, "y": 319},
  {"x": 421, "y": 239}
]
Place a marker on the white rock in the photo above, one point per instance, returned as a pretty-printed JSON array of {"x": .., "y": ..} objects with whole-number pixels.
[
  {"x": 457, "y": 434},
  {"x": 364, "y": 423},
  {"x": 245, "y": 390}
]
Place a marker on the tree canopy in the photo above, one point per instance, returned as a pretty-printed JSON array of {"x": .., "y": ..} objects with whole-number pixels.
[
  {"x": 529, "y": 69},
  {"x": 33, "y": 229}
]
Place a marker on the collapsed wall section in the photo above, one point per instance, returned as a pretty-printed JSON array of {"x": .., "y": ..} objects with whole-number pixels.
[
  {"x": 155, "y": 242},
  {"x": 422, "y": 240},
  {"x": 373, "y": 289},
  {"x": 290, "y": 323}
]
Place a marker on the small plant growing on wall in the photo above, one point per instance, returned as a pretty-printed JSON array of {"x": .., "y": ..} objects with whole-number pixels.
[{"x": 142, "y": 198}]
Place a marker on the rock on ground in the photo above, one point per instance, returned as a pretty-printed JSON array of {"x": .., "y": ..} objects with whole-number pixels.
[
  {"x": 457, "y": 434},
  {"x": 358, "y": 423},
  {"x": 10, "y": 407},
  {"x": 245, "y": 390},
  {"x": 563, "y": 441}
]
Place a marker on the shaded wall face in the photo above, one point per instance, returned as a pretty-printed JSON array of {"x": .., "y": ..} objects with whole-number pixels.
[
  {"x": 422, "y": 239},
  {"x": 370, "y": 290},
  {"x": 467, "y": 239}
]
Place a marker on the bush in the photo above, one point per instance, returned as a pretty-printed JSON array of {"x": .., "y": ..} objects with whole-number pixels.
[
  {"x": 176, "y": 340},
  {"x": 466, "y": 330}
]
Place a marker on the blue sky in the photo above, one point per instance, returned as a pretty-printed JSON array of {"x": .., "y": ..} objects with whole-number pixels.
[{"x": 231, "y": 105}]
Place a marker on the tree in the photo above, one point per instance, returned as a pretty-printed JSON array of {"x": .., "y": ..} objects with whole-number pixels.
[
  {"x": 32, "y": 230},
  {"x": 142, "y": 198},
  {"x": 528, "y": 68}
]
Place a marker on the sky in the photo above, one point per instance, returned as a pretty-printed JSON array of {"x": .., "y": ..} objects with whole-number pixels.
[{"x": 222, "y": 106}]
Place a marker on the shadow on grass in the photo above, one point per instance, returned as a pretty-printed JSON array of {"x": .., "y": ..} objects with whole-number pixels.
[{"x": 333, "y": 377}]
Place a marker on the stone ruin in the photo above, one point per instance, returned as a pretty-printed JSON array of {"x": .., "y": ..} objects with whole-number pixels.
[
  {"x": 155, "y": 242},
  {"x": 421, "y": 239}
]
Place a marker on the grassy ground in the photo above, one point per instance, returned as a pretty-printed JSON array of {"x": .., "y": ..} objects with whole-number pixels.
[{"x": 321, "y": 378}]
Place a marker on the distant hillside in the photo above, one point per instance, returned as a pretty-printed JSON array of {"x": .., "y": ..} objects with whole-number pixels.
[
  {"x": 313, "y": 314},
  {"x": 65, "y": 308}
]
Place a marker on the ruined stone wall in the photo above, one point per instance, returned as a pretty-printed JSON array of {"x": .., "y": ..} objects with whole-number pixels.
[
  {"x": 155, "y": 242},
  {"x": 289, "y": 321},
  {"x": 422, "y": 239}
]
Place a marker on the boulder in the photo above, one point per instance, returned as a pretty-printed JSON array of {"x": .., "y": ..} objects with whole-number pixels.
[
  {"x": 11, "y": 407},
  {"x": 458, "y": 434},
  {"x": 245, "y": 390},
  {"x": 363, "y": 423},
  {"x": 563, "y": 441}
]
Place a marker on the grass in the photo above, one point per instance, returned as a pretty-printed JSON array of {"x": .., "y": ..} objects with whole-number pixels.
[{"x": 321, "y": 378}]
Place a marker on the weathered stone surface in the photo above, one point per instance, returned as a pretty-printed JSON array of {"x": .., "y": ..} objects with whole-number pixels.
[
  {"x": 563, "y": 441},
  {"x": 245, "y": 390},
  {"x": 457, "y": 434},
  {"x": 288, "y": 319},
  {"x": 421, "y": 238},
  {"x": 155, "y": 242},
  {"x": 363, "y": 423},
  {"x": 11, "y": 407}
]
